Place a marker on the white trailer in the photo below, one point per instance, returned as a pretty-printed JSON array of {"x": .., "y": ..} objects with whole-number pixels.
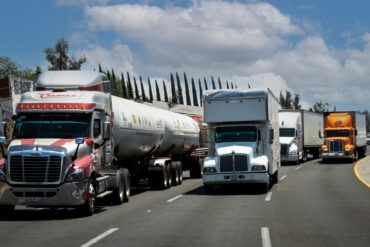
[
  {"x": 301, "y": 134},
  {"x": 243, "y": 137},
  {"x": 74, "y": 142}
]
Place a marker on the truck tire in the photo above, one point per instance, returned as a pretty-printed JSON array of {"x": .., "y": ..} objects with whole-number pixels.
[
  {"x": 6, "y": 210},
  {"x": 88, "y": 208},
  {"x": 175, "y": 174},
  {"x": 127, "y": 183},
  {"x": 179, "y": 167},
  {"x": 121, "y": 193}
]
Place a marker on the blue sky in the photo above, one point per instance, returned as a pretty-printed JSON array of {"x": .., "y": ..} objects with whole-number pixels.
[{"x": 317, "y": 49}]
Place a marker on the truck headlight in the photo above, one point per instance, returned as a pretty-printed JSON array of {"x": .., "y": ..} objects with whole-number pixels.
[
  {"x": 209, "y": 170},
  {"x": 324, "y": 149},
  {"x": 258, "y": 168},
  {"x": 348, "y": 149},
  {"x": 76, "y": 175}
]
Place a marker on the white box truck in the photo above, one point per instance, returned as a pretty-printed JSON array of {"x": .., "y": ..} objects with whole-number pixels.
[
  {"x": 301, "y": 133},
  {"x": 243, "y": 138}
]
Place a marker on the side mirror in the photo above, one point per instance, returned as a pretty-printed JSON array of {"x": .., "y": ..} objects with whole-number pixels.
[{"x": 106, "y": 130}]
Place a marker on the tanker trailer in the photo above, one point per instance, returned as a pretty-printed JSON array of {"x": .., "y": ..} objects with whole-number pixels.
[{"x": 155, "y": 145}]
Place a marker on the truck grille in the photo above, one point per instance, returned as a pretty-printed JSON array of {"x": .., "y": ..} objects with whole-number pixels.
[
  {"x": 35, "y": 169},
  {"x": 226, "y": 163},
  {"x": 284, "y": 149},
  {"x": 336, "y": 146}
]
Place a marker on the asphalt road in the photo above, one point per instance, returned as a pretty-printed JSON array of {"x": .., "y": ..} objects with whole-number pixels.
[{"x": 313, "y": 204}]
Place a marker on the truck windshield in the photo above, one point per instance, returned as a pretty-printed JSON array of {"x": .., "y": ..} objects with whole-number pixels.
[
  {"x": 334, "y": 133},
  {"x": 236, "y": 134},
  {"x": 52, "y": 125},
  {"x": 287, "y": 132}
]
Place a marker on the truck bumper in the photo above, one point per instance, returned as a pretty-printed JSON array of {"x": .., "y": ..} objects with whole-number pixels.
[
  {"x": 289, "y": 158},
  {"x": 236, "y": 178},
  {"x": 336, "y": 155},
  {"x": 68, "y": 194}
]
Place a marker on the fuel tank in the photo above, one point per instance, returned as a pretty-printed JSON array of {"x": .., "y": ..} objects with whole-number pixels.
[{"x": 141, "y": 130}]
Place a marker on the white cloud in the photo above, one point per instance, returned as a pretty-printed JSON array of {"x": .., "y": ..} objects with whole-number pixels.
[{"x": 238, "y": 42}]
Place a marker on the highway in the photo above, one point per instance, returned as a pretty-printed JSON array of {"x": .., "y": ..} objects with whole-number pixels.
[{"x": 313, "y": 204}]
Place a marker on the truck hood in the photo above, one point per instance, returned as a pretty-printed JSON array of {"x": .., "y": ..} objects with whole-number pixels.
[
  {"x": 286, "y": 140},
  {"x": 236, "y": 147},
  {"x": 69, "y": 144}
]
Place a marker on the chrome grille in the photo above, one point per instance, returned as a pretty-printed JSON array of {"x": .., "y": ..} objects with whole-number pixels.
[
  {"x": 284, "y": 149},
  {"x": 226, "y": 163},
  {"x": 35, "y": 169},
  {"x": 336, "y": 146}
]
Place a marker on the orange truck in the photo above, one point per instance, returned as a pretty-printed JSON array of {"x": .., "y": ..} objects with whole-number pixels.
[{"x": 345, "y": 135}]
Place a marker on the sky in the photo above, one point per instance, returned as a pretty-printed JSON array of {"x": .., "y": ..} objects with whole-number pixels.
[{"x": 317, "y": 49}]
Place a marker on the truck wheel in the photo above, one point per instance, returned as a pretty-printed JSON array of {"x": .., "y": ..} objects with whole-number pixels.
[
  {"x": 6, "y": 210},
  {"x": 127, "y": 183},
  {"x": 88, "y": 208},
  {"x": 175, "y": 176},
  {"x": 118, "y": 192},
  {"x": 179, "y": 167}
]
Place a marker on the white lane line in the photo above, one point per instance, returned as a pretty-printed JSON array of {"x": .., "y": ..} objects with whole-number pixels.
[
  {"x": 175, "y": 198},
  {"x": 100, "y": 237},
  {"x": 268, "y": 196},
  {"x": 265, "y": 234},
  {"x": 282, "y": 178},
  {"x": 298, "y": 167}
]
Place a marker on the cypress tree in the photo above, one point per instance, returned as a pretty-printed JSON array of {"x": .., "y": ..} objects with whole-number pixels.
[
  {"x": 100, "y": 69},
  {"x": 137, "y": 96},
  {"x": 200, "y": 92},
  {"x": 124, "y": 89},
  {"x": 227, "y": 85},
  {"x": 187, "y": 94},
  {"x": 173, "y": 90},
  {"x": 143, "y": 96},
  {"x": 150, "y": 91},
  {"x": 130, "y": 93},
  {"x": 179, "y": 89},
  {"x": 213, "y": 83},
  {"x": 165, "y": 92},
  {"x": 219, "y": 83},
  {"x": 157, "y": 91},
  {"x": 205, "y": 84},
  {"x": 195, "y": 97}
]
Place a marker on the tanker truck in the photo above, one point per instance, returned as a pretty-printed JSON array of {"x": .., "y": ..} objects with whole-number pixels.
[
  {"x": 345, "y": 135},
  {"x": 73, "y": 142}
]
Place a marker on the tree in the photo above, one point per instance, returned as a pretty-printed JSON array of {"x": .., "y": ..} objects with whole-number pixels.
[
  {"x": 124, "y": 88},
  {"x": 165, "y": 92},
  {"x": 130, "y": 93},
  {"x": 10, "y": 68},
  {"x": 143, "y": 96},
  {"x": 286, "y": 101},
  {"x": 173, "y": 90},
  {"x": 205, "y": 84},
  {"x": 213, "y": 83},
  {"x": 150, "y": 91},
  {"x": 296, "y": 104},
  {"x": 219, "y": 83},
  {"x": 320, "y": 107},
  {"x": 157, "y": 91},
  {"x": 137, "y": 96},
  {"x": 179, "y": 89},
  {"x": 200, "y": 92},
  {"x": 58, "y": 57},
  {"x": 187, "y": 93},
  {"x": 195, "y": 98}
]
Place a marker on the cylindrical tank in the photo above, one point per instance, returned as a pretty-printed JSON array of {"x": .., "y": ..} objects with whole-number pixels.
[{"x": 141, "y": 130}]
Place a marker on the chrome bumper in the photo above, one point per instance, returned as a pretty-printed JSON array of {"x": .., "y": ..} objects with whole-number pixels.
[{"x": 236, "y": 178}]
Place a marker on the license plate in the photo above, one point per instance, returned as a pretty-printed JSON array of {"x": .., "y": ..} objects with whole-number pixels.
[
  {"x": 33, "y": 199},
  {"x": 233, "y": 177}
]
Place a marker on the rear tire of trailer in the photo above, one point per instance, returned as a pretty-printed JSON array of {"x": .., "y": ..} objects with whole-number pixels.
[
  {"x": 175, "y": 174},
  {"x": 88, "y": 208},
  {"x": 179, "y": 167}
]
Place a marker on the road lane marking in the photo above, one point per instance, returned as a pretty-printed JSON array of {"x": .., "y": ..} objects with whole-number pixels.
[
  {"x": 355, "y": 168},
  {"x": 268, "y": 196},
  {"x": 265, "y": 235},
  {"x": 298, "y": 167},
  {"x": 100, "y": 237},
  {"x": 282, "y": 178},
  {"x": 175, "y": 198}
]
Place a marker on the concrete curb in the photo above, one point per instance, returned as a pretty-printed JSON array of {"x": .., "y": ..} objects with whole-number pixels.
[{"x": 362, "y": 170}]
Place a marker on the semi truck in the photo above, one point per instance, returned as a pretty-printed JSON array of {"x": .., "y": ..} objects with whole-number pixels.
[
  {"x": 73, "y": 142},
  {"x": 301, "y": 134},
  {"x": 345, "y": 135},
  {"x": 243, "y": 138}
]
